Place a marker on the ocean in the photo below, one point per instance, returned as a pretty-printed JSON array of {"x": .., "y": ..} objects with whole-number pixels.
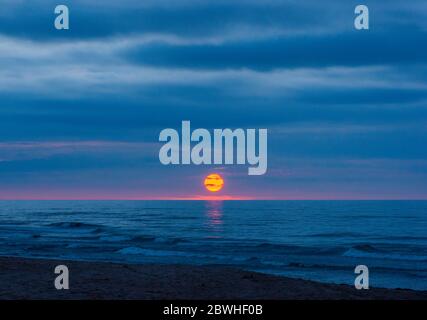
[{"x": 317, "y": 240}]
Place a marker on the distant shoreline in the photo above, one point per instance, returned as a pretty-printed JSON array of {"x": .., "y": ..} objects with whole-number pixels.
[{"x": 22, "y": 278}]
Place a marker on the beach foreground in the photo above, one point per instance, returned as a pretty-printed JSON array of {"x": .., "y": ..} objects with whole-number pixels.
[{"x": 34, "y": 279}]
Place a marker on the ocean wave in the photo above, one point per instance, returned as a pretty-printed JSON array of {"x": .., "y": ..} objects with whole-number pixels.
[
  {"x": 293, "y": 249},
  {"x": 97, "y": 230},
  {"x": 114, "y": 238},
  {"x": 74, "y": 246},
  {"x": 279, "y": 247},
  {"x": 73, "y": 225},
  {"x": 368, "y": 251},
  {"x": 332, "y": 235},
  {"x": 170, "y": 240},
  {"x": 131, "y": 250},
  {"x": 159, "y": 253},
  {"x": 143, "y": 238},
  {"x": 408, "y": 237}
]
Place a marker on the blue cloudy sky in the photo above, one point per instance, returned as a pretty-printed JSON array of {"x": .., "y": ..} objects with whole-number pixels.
[{"x": 81, "y": 110}]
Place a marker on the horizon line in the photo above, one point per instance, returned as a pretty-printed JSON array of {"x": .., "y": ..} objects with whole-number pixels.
[{"x": 213, "y": 199}]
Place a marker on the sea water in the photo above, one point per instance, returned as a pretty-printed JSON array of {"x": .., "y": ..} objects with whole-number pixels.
[{"x": 317, "y": 240}]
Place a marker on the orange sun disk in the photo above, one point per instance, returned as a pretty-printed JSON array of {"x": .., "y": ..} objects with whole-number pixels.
[{"x": 214, "y": 182}]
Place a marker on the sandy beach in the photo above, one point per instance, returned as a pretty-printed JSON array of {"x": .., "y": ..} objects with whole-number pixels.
[{"x": 34, "y": 279}]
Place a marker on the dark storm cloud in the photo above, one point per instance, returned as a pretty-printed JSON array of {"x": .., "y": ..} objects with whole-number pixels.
[
  {"x": 187, "y": 18},
  {"x": 347, "y": 49},
  {"x": 34, "y": 19}
]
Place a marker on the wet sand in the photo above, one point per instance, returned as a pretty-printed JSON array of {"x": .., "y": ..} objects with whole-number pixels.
[{"x": 34, "y": 279}]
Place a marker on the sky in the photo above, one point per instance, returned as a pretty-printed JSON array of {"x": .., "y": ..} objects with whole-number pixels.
[{"x": 81, "y": 109}]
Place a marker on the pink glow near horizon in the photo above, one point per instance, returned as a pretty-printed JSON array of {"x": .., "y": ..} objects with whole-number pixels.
[{"x": 90, "y": 195}]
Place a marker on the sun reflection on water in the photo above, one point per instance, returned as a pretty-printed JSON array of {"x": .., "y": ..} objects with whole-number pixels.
[{"x": 214, "y": 215}]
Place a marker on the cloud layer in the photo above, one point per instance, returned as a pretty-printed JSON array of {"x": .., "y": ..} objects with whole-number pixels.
[{"x": 81, "y": 109}]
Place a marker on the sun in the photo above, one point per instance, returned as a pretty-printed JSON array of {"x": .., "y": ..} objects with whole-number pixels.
[{"x": 214, "y": 182}]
